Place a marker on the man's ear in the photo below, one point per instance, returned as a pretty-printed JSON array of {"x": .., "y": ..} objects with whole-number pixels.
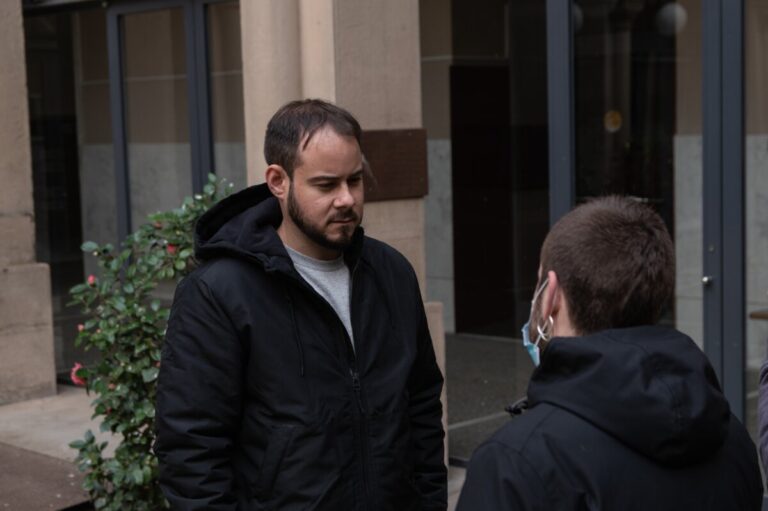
[
  {"x": 278, "y": 181},
  {"x": 551, "y": 296}
]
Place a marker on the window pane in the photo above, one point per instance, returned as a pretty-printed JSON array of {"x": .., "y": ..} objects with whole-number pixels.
[
  {"x": 72, "y": 157},
  {"x": 156, "y": 105},
  {"x": 226, "y": 88}
]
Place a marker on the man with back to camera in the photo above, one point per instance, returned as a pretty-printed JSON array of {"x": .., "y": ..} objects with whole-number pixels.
[
  {"x": 298, "y": 371},
  {"x": 621, "y": 414}
]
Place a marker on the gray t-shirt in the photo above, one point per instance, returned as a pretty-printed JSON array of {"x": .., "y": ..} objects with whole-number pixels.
[{"x": 331, "y": 280}]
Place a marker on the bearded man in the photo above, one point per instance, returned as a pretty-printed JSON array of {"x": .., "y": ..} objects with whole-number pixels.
[{"x": 298, "y": 371}]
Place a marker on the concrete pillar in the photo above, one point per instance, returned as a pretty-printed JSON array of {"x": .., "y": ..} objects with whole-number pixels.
[
  {"x": 271, "y": 70},
  {"x": 26, "y": 325}
]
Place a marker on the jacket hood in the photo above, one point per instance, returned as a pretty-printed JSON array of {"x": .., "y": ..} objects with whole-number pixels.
[
  {"x": 650, "y": 387},
  {"x": 244, "y": 225}
]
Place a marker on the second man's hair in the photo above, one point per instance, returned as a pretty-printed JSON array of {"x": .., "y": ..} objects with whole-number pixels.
[{"x": 615, "y": 261}]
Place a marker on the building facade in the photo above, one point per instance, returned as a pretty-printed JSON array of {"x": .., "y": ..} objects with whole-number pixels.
[{"x": 484, "y": 123}]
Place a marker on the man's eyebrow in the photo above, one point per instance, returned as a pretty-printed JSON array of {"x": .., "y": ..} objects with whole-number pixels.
[
  {"x": 329, "y": 177},
  {"x": 333, "y": 177}
]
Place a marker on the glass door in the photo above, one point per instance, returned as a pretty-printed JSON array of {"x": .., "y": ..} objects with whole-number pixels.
[
  {"x": 637, "y": 95},
  {"x": 646, "y": 99}
]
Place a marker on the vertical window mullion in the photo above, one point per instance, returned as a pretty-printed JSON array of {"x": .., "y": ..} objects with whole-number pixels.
[
  {"x": 560, "y": 91},
  {"x": 117, "y": 106}
]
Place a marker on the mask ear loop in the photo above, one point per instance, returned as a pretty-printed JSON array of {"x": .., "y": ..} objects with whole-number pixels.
[{"x": 543, "y": 334}]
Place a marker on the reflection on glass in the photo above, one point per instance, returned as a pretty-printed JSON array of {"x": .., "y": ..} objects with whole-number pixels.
[
  {"x": 226, "y": 89},
  {"x": 500, "y": 191},
  {"x": 499, "y": 163},
  {"x": 756, "y": 200},
  {"x": 72, "y": 161},
  {"x": 638, "y": 123},
  {"x": 157, "y": 121}
]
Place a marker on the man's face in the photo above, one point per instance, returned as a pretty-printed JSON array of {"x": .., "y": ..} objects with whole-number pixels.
[{"x": 325, "y": 199}]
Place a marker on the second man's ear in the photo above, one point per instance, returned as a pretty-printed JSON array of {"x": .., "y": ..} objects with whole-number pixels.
[
  {"x": 278, "y": 181},
  {"x": 551, "y": 296}
]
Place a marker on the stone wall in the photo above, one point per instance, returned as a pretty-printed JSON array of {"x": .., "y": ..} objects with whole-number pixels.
[{"x": 26, "y": 326}]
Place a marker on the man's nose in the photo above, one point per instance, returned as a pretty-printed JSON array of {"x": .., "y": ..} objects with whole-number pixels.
[{"x": 344, "y": 199}]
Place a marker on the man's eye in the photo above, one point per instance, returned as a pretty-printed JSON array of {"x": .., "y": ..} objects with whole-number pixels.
[
  {"x": 355, "y": 179},
  {"x": 326, "y": 186}
]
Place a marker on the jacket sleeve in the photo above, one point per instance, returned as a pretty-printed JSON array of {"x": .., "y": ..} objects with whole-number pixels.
[
  {"x": 199, "y": 400},
  {"x": 762, "y": 415},
  {"x": 425, "y": 385},
  {"x": 500, "y": 478}
]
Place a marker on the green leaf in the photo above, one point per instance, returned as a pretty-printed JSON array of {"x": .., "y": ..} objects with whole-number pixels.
[
  {"x": 79, "y": 289},
  {"x": 89, "y": 246},
  {"x": 180, "y": 264},
  {"x": 184, "y": 254},
  {"x": 150, "y": 374},
  {"x": 77, "y": 444},
  {"x": 128, "y": 288}
]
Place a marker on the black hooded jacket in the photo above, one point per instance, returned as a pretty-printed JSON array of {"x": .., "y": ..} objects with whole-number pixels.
[
  {"x": 262, "y": 402},
  {"x": 622, "y": 419}
]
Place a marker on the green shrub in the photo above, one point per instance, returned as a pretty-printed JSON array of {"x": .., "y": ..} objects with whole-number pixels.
[{"x": 126, "y": 325}]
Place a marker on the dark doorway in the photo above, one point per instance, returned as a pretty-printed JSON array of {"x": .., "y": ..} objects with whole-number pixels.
[
  {"x": 500, "y": 166},
  {"x": 55, "y": 165}
]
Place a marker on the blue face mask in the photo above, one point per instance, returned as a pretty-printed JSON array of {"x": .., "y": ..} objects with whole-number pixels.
[
  {"x": 533, "y": 349},
  {"x": 533, "y": 346}
]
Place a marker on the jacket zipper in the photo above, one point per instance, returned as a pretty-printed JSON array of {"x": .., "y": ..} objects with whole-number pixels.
[
  {"x": 357, "y": 391},
  {"x": 356, "y": 387}
]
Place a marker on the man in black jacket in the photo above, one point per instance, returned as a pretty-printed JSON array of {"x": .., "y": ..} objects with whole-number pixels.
[
  {"x": 298, "y": 371},
  {"x": 622, "y": 414}
]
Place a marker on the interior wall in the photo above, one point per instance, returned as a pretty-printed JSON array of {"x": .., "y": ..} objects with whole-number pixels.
[
  {"x": 688, "y": 172},
  {"x": 756, "y": 186}
]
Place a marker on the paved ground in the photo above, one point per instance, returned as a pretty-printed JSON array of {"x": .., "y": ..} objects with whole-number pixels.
[
  {"x": 38, "y": 472},
  {"x": 483, "y": 373}
]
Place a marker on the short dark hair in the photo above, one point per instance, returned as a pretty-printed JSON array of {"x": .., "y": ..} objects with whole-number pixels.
[
  {"x": 298, "y": 121},
  {"x": 614, "y": 259}
]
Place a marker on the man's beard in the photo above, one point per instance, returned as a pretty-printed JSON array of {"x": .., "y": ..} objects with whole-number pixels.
[{"x": 317, "y": 235}]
